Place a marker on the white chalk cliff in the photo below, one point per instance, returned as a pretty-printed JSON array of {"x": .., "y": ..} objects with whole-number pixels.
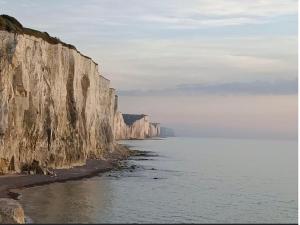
[
  {"x": 134, "y": 126},
  {"x": 56, "y": 109}
]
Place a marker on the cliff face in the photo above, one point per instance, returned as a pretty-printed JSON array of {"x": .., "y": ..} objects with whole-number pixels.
[
  {"x": 56, "y": 110},
  {"x": 154, "y": 130},
  {"x": 132, "y": 126}
]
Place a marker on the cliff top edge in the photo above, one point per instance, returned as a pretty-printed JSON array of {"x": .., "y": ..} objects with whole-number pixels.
[{"x": 11, "y": 24}]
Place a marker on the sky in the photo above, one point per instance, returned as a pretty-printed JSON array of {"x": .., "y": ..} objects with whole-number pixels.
[{"x": 222, "y": 68}]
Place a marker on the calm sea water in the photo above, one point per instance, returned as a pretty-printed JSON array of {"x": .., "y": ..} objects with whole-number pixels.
[{"x": 192, "y": 180}]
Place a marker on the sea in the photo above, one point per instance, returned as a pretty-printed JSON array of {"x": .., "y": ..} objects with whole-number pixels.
[{"x": 186, "y": 180}]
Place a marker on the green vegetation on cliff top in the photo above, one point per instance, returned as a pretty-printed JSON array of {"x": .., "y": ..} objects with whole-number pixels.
[{"x": 10, "y": 24}]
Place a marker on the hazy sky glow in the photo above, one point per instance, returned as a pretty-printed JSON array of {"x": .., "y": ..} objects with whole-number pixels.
[{"x": 205, "y": 68}]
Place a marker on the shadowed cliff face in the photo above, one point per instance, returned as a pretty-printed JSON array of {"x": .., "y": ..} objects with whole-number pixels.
[
  {"x": 55, "y": 108},
  {"x": 154, "y": 129}
]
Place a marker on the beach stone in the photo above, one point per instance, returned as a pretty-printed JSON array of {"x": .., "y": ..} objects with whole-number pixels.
[
  {"x": 11, "y": 211},
  {"x": 132, "y": 167}
]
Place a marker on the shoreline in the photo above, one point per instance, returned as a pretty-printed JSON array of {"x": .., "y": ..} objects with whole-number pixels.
[
  {"x": 8, "y": 183},
  {"x": 11, "y": 182},
  {"x": 11, "y": 210}
]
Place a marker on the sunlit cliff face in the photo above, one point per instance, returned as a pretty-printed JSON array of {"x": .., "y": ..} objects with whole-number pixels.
[{"x": 56, "y": 110}]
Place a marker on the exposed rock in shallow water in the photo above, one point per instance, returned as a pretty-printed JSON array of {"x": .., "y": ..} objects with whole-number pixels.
[
  {"x": 56, "y": 110},
  {"x": 11, "y": 211}
]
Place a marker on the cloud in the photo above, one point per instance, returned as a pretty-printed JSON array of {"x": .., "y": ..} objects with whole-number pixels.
[
  {"x": 167, "y": 14},
  {"x": 277, "y": 87},
  {"x": 257, "y": 8},
  {"x": 190, "y": 23},
  {"x": 206, "y": 13},
  {"x": 158, "y": 64}
]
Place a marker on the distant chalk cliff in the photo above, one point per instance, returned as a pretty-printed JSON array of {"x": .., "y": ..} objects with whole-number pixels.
[
  {"x": 166, "y": 132},
  {"x": 135, "y": 126}
]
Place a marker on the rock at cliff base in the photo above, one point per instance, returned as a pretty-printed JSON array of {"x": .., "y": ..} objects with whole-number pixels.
[{"x": 11, "y": 211}]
